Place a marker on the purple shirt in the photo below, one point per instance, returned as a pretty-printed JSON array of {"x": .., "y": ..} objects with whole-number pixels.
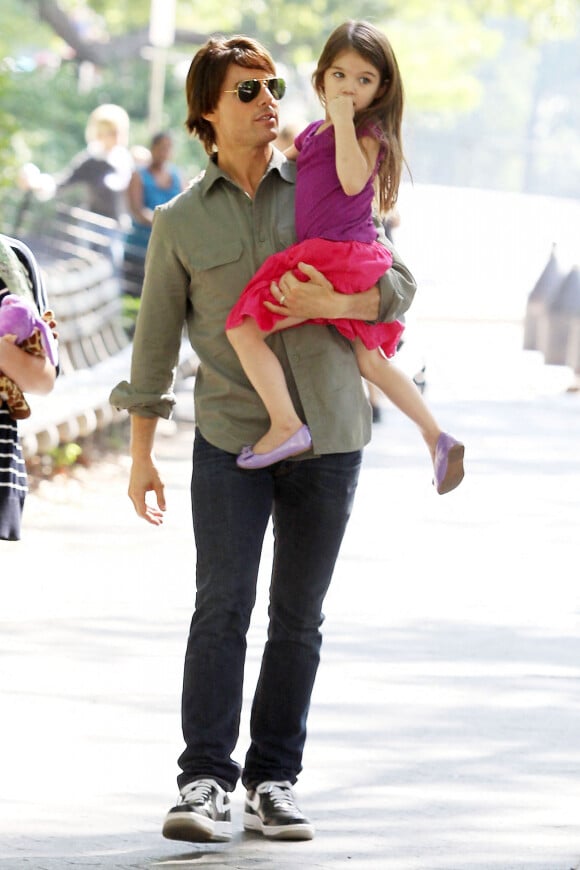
[{"x": 323, "y": 210}]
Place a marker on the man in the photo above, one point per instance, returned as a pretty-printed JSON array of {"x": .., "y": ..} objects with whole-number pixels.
[{"x": 204, "y": 247}]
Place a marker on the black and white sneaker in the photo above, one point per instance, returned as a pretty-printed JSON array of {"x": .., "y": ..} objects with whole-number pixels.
[
  {"x": 202, "y": 814},
  {"x": 271, "y": 809}
]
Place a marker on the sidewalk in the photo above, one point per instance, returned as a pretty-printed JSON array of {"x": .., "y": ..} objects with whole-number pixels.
[{"x": 444, "y": 727}]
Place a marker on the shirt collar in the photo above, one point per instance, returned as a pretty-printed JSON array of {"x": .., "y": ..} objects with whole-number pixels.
[{"x": 285, "y": 168}]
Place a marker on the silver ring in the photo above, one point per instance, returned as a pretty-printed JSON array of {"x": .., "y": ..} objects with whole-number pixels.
[{"x": 282, "y": 299}]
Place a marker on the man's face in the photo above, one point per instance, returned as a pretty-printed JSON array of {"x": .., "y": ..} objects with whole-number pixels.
[{"x": 237, "y": 123}]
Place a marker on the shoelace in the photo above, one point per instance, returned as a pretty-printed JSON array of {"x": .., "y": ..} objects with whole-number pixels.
[
  {"x": 280, "y": 794},
  {"x": 198, "y": 791}
]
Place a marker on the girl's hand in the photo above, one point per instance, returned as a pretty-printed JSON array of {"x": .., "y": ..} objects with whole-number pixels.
[{"x": 340, "y": 109}]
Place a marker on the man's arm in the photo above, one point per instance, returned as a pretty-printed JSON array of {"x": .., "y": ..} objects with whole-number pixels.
[
  {"x": 397, "y": 286},
  {"x": 144, "y": 476},
  {"x": 317, "y": 298},
  {"x": 397, "y": 289}
]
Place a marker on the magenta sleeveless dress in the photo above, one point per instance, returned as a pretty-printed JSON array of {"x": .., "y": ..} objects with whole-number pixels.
[{"x": 337, "y": 236}]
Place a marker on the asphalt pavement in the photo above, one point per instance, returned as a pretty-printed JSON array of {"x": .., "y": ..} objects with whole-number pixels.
[{"x": 444, "y": 729}]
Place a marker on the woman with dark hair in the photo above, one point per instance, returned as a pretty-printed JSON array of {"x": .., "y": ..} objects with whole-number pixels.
[{"x": 151, "y": 185}]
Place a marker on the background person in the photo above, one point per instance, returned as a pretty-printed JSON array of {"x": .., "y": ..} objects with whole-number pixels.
[
  {"x": 19, "y": 275},
  {"x": 101, "y": 172},
  {"x": 151, "y": 185},
  {"x": 103, "y": 169}
]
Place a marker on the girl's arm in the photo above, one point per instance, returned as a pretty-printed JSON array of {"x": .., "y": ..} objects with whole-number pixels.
[
  {"x": 355, "y": 158},
  {"x": 291, "y": 152}
]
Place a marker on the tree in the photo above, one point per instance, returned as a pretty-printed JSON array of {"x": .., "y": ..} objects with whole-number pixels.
[
  {"x": 458, "y": 31},
  {"x": 8, "y": 129},
  {"x": 102, "y": 46},
  {"x": 450, "y": 53}
]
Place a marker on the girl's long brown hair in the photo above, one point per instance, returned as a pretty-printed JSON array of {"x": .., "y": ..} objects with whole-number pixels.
[{"x": 386, "y": 111}]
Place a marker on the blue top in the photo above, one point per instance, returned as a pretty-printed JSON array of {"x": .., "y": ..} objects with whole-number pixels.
[{"x": 153, "y": 195}]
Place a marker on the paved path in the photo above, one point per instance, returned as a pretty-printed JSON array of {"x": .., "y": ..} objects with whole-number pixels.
[{"x": 445, "y": 721}]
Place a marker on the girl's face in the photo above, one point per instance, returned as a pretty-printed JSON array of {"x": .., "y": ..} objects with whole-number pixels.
[{"x": 350, "y": 74}]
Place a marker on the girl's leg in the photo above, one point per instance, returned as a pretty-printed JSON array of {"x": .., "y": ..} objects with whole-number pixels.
[
  {"x": 266, "y": 375},
  {"x": 400, "y": 389},
  {"x": 446, "y": 453},
  {"x": 374, "y": 395}
]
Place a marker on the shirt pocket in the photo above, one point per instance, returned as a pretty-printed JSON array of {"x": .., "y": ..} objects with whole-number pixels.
[
  {"x": 221, "y": 264},
  {"x": 220, "y": 273},
  {"x": 218, "y": 254}
]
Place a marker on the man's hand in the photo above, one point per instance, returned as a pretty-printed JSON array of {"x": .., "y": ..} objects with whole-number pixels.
[
  {"x": 315, "y": 297},
  {"x": 145, "y": 478}
]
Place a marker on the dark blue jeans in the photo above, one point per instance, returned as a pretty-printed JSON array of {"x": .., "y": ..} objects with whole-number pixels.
[{"x": 310, "y": 502}]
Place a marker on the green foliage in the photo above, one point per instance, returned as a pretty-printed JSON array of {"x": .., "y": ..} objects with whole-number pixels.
[
  {"x": 486, "y": 102},
  {"x": 545, "y": 20},
  {"x": 439, "y": 57},
  {"x": 8, "y": 128},
  {"x": 65, "y": 455}
]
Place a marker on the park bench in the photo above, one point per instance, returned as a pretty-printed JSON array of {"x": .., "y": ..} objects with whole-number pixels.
[{"x": 85, "y": 293}]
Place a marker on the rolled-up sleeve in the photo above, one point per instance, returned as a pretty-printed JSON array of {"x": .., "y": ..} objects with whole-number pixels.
[
  {"x": 124, "y": 397},
  {"x": 397, "y": 286},
  {"x": 397, "y": 290}
]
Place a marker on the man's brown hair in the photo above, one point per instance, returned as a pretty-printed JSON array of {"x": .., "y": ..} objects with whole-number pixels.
[{"x": 206, "y": 75}]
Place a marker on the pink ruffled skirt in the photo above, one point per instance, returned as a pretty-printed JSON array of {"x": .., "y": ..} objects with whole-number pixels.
[{"x": 351, "y": 267}]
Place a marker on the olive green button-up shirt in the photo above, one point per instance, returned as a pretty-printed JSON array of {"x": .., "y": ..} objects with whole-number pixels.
[{"x": 205, "y": 246}]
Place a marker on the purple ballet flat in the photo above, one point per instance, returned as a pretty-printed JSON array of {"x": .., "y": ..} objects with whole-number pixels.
[
  {"x": 297, "y": 443},
  {"x": 448, "y": 463}
]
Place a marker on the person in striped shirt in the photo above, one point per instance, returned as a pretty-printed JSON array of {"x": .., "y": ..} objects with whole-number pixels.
[{"x": 19, "y": 275}]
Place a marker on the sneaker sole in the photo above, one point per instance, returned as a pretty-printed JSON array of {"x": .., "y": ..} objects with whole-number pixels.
[
  {"x": 281, "y": 832},
  {"x": 195, "y": 829}
]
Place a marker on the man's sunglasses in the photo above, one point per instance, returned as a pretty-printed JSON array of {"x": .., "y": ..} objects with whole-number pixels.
[{"x": 249, "y": 89}]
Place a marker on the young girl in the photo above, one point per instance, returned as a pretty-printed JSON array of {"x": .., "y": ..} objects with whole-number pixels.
[{"x": 340, "y": 162}]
